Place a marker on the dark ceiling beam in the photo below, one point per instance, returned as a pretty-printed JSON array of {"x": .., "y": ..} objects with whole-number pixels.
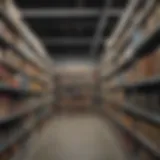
[
  {"x": 98, "y": 36},
  {"x": 81, "y": 24},
  {"x": 67, "y": 41},
  {"x": 68, "y": 12}
]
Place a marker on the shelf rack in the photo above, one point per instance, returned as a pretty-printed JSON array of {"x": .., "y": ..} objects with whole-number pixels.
[
  {"x": 27, "y": 56},
  {"x": 36, "y": 100},
  {"x": 137, "y": 136},
  {"x": 144, "y": 48},
  {"x": 124, "y": 51},
  {"x": 22, "y": 30},
  {"x": 27, "y": 109},
  {"x": 22, "y": 134},
  {"x": 137, "y": 112},
  {"x": 147, "y": 85}
]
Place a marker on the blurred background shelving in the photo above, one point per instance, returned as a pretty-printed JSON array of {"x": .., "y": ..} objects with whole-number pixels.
[
  {"x": 80, "y": 56},
  {"x": 130, "y": 78},
  {"x": 26, "y": 83}
]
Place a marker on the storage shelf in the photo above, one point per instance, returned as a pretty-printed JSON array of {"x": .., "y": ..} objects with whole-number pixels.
[
  {"x": 146, "y": 47},
  {"x": 14, "y": 26},
  {"x": 20, "y": 154},
  {"x": 24, "y": 111},
  {"x": 13, "y": 140},
  {"x": 19, "y": 136},
  {"x": 141, "y": 114},
  {"x": 9, "y": 66},
  {"x": 17, "y": 91},
  {"x": 150, "y": 147},
  {"x": 19, "y": 51},
  {"x": 150, "y": 84},
  {"x": 152, "y": 118},
  {"x": 147, "y": 85},
  {"x": 4, "y": 42},
  {"x": 21, "y": 29}
]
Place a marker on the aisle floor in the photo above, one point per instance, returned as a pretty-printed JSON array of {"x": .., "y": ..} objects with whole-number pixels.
[{"x": 75, "y": 137}]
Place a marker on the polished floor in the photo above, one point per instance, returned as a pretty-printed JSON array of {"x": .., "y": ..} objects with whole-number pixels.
[{"x": 75, "y": 137}]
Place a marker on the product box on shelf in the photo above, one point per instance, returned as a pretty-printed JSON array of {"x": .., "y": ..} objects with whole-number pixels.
[
  {"x": 17, "y": 105},
  {"x": 5, "y": 155},
  {"x": 5, "y": 76},
  {"x": 1, "y": 54},
  {"x": 153, "y": 20},
  {"x": 14, "y": 149},
  {"x": 149, "y": 131},
  {"x": 156, "y": 62},
  {"x": 127, "y": 120},
  {"x": 2, "y": 28},
  {"x": 131, "y": 75},
  {"x": 12, "y": 58},
  {"x": 145, "y": 155}
]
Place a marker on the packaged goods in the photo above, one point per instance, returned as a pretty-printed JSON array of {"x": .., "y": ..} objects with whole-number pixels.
[
  {"x": 128, "y": 143},
  {"x": 5, "y": 104},
  {"x": 1, "y": 54},
  {"x": 144, "y": 155},
  {"x": 22, "y": 81},
  {"x": 17, "y": 105},
  {"x": 4, "y": 75},
  {"x": 2, "y": 28},
  {"x": 126, "y": 120},
  {"x": 145, "y": 67},
  {"x": 14, "y": 149},
  {"x": 154, "y": 103},
  {"x": 5, "y": 155},
  {"x": 156, "y": 62},
  {"x": 149, "y": 131},
  {"x": 153, "y": 20},
  {"x": 132, "y": 75},
  {"x": 142, "y": 101}
]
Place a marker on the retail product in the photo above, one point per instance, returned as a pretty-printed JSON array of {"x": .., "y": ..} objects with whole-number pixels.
[
  {"x": 150, "y": 132},
  {"x": 144, "y": 155},
  {"x": 5, "y": 155},
  {"x": 5, "y": 104},
  {"x": 128, "y": 121},
  {"x": 156, "y": 62}
]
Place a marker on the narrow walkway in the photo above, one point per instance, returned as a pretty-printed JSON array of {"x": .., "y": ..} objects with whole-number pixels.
[{"x": 80, "y": 137}]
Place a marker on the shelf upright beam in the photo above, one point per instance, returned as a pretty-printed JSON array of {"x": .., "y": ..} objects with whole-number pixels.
[
  {"x": 102, "y": 23},
  {"x": 123, "y": 21}
]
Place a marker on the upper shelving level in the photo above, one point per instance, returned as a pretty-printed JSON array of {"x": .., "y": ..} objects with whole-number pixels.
[
  {"x": 147, "y": 45},
  {"x": 36, "y": 51},
  {"x": 137, "y": 35}
]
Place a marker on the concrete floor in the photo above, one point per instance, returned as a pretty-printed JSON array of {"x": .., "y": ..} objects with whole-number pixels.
[{"x": 78, "y": 137}]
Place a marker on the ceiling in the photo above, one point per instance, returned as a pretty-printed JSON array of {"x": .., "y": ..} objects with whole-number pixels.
[{"x": 73, "y": 28}]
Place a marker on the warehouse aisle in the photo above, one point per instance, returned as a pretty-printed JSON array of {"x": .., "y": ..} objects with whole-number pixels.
[{"x": 80, "y": 137}]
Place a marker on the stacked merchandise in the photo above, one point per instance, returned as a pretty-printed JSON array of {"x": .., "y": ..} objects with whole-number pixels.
[
  {"x": 25, "y": 84},
  {"x": 130, "y": 79},
  {"x": 75, "y": 90}
]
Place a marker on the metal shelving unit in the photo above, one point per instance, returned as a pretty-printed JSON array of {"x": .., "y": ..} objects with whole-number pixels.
[
  {"x": 145, "y": 47},
  {"x": 144, "y": 142},
  {"x": 21, "y": 29},
  {"x": 129, "y": 53},
  {"x": 30, "y": 57},
  {"x": 137, "y": 112},
  {"x": 25, "y": 86},
  {"x": 147, "y": 85},
  {"x": 24, "y": 132},
  {"x": 31, "y": 107}
]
